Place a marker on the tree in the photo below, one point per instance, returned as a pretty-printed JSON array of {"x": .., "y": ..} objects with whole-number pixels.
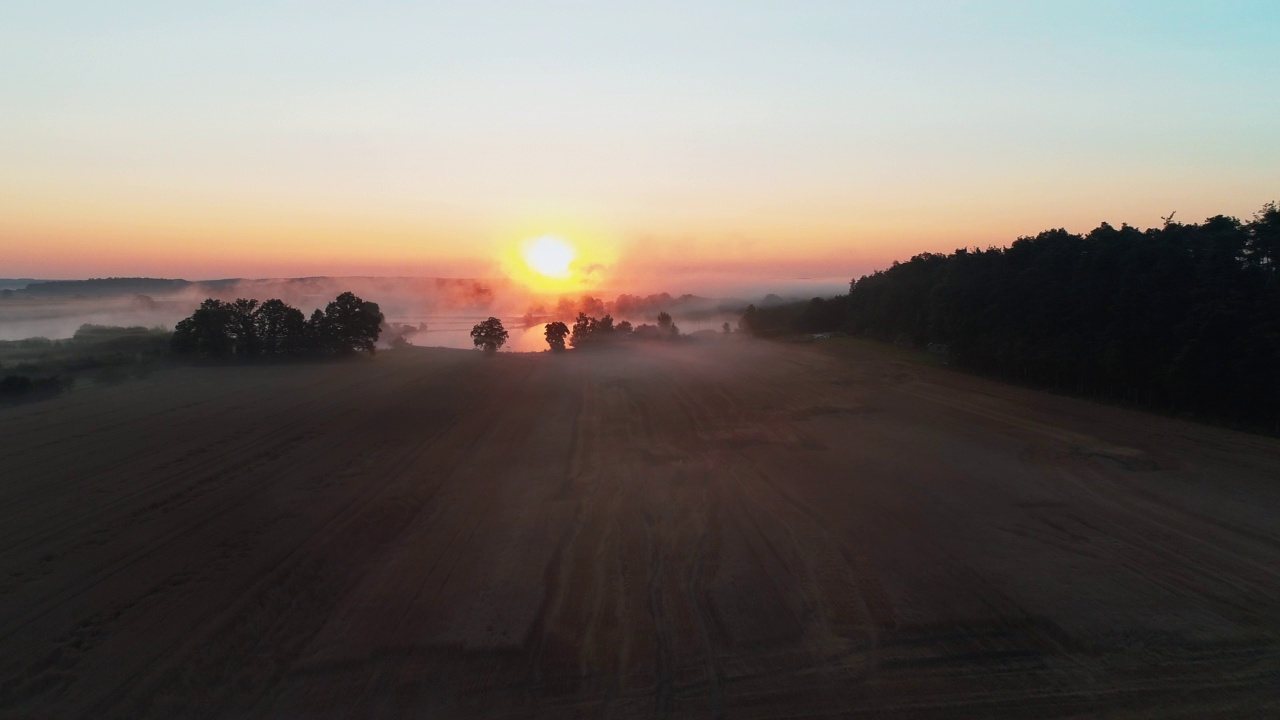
[
  {"x": 314, "y": 334},
  {"x": 350, "y": 324},
  {"x": 726, "y": 329},
  {"x": 280, "y": 329},
  {"x": 747, "y": 323},
  {"x": 1180, "y": 317},
  {"x": 603, "y": 328},
  {"x": 581, "y": 330},
  {"x": 247, "y": 329},
  {"x": 207, "y": 332},
  {"x": 242, "y": 328},
  {"x": 555, "y": 332},
  {"x": 588, "y": 330},
  {"x": 591, "y": 306},
  {"x": 666, "y": 327},
  {"x": 489, "y": 335}
]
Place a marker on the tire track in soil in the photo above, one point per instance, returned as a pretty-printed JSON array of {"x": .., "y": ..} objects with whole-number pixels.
[
  {"x": 348, "y": 528},
  {"x": 499, "y": 431},
  {"x": 139, "y": 555},
  {"x": 688, "y": 471},
  {"x": 264, "y": 446},
  {"x": 314, "y": 404}
]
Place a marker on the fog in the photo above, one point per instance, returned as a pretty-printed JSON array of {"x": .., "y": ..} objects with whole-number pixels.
[
  {"x": 426, "y": 311},
  {"x": 59, "y": 319},
  {"x": 454, "y": 331}
]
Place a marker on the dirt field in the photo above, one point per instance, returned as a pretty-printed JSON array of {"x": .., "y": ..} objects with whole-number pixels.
[{"x": 737, "y": 529}]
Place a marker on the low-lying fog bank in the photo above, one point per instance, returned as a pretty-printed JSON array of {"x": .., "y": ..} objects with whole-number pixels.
[{"x": 447, "y": 307}]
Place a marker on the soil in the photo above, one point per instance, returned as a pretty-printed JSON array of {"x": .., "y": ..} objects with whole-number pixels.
[{"x": 721, "y": 529}]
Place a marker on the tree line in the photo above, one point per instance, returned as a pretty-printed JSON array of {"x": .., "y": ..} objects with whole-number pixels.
[
  {"x": 634, "y": 306},
  {"x": 1182, "y": 318},
  {"x": 587, "y": 331},
  {"x": 249, "y": 329}
]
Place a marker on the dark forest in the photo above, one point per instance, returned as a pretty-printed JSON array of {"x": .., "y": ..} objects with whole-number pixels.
[{"x": 1184, "y": 318}]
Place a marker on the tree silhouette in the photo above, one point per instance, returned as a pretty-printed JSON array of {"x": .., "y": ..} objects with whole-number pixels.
[
  {"x": 351, "y": 324},
  {"x": 207, "y": 332},
  {"x": 242, "y": 328},
  {"x": 581, "y": 330},
  {"x": 246, "y": 329},
  {"x": 313, "y": 337},
  {"x": 747, "y": 323},
  {"x": 280, "y": 329},
  {"x": 603, "y": 328},
  {"x": 489, "y": 335},
  {"x": 588, "y": 331},
  {"x": 555, "y": 332},
  {"x": 667, "y": 327}
]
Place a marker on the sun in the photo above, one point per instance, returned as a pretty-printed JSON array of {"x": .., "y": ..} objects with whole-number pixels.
[{"x": 550, "y": 257}]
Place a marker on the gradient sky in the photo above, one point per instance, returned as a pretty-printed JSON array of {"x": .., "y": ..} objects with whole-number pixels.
[{"x": 771, "y": 140}]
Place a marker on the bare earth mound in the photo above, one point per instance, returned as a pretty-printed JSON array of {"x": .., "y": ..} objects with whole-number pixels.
[{"x": 731, "y": 529}]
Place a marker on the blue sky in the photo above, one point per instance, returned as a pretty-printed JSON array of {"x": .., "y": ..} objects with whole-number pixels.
[{"x": 792, "y": 135}]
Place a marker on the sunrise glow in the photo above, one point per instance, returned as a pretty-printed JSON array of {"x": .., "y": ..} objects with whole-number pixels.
[
  {"x": 756, "y": 146},
  {"x": 550, "y": 257}
]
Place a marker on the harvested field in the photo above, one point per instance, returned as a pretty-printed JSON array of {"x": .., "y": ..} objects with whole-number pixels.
[{"x": 736, "y": 529}]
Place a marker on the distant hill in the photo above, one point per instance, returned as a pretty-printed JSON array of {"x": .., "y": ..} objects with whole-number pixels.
[
  {"x": 471, "y": 291},
  {"x": 104, "y": 287},
  {"x": 16, "y": 283}
]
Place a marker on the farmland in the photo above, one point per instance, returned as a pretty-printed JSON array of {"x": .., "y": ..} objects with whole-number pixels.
[{"x": 732, "y": 528}]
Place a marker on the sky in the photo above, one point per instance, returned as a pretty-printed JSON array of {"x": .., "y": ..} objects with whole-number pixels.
[{"x": 675, "y": 145}]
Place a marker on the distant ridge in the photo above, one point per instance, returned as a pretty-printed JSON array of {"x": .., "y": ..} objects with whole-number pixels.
[
  {"x": 16, "y": 283},
  {"x": 104, "y": 287},
  {"x": 126, "y": 286}
]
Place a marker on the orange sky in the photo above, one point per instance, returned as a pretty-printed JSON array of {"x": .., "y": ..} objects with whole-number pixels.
[
  {"x": 50, "y": 237},
  {"x": 681, "y": 146}
]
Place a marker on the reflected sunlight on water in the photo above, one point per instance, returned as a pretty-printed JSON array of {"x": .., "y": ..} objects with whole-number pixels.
[{"x": 455, "y": 332}]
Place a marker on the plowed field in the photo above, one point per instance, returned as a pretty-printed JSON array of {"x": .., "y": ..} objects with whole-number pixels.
[{"x": 735, "y": 529}]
